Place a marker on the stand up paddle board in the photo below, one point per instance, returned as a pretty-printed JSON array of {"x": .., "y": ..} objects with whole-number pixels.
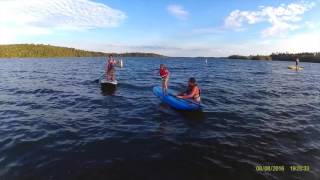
[
  {"x": 174, "y": 102},
  {"x": 295, "y": 67},
  {"x": 107, "y": 82}
]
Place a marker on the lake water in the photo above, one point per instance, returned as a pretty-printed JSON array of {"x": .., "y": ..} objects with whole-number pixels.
[{"x": 57, "y": 123}]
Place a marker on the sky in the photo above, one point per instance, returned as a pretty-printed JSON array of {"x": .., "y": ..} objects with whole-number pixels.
[{"x": 169, "y": 27}]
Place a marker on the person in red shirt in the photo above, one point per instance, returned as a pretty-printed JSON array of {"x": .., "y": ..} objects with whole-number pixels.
[
  {"x": 164, "y": 74},
  {"x": 193, "y": 91}
]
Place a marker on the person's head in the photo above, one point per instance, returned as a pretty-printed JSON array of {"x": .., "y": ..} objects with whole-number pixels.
[
  {"x": 192, "y": 82},
  {"x": 110, "y": 56},
  {"x": 162, "y": 66}
]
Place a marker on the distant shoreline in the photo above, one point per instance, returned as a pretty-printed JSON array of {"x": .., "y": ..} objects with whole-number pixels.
[
  {"x": 12, "y": 51},
  {"x": 49, "y": 51},
  {"x": 303, "y": 57}
]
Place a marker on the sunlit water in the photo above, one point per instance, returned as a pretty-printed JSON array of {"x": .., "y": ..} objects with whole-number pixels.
[{"x": 57, "y": 123}]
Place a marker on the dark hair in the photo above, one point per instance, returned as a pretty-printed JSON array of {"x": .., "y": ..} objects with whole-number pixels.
[
  {"x": 110, "y": 55},
  {"x": 192, "y": 80}
]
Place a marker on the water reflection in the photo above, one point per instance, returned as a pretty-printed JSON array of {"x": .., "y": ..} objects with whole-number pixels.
[{"x": 108, "y": 89}]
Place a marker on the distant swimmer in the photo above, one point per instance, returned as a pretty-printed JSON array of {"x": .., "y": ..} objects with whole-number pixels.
[
  {"x": 164, "y": 74},
  {"x": 193, "y": 91},
  {"x": 110, "y": 69}
]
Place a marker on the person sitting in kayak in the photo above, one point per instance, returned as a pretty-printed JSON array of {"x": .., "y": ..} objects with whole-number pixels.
[
  {"x": 164, "y": 74},
  {"x": 110, "y": 69},
  {"x": 193, "y": 91}
]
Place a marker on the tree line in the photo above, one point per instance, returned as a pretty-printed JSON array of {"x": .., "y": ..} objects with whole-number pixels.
[
  {"x": 46, "y": 51},
  {"x": 303, "y": 57}
]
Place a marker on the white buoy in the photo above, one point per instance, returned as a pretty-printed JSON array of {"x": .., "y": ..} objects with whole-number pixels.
[{"x": 206, "y": 61}]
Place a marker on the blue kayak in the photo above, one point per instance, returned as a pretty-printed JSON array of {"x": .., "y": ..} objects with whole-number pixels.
[{"x": 174, "y": 102}]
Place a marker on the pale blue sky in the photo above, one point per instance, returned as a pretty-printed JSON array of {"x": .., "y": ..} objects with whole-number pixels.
[{"x": 174, "y": 28}]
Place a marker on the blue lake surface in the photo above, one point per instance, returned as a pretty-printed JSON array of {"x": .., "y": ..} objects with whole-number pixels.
[{"x": 57, "y": 123}]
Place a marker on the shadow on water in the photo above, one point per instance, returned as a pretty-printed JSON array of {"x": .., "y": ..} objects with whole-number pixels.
[
  {"x": 194, "y": 116},
  {"x": 96, "y": 81},
  {"x": 108, "y": 90}
]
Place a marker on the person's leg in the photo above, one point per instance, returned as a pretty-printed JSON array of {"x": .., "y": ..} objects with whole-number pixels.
[
  {"x": 107, "y": 75},
  {"x": 113, "y": 75},
  {"x": 163, "y": 84},
  {"x": 166, "y": 81}
]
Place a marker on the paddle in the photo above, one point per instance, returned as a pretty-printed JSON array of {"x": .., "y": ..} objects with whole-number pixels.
[{"x": 102, "y": 76}]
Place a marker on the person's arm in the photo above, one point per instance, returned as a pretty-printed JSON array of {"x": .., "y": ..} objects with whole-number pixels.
[
  {"x": 191, "y": 95},
  {"x": 180, "y": 94}
]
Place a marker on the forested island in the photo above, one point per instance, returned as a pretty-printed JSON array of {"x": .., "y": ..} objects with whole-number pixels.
[
  {"x": 303, "y": 57},
  {"x": 47, "y": 51}
]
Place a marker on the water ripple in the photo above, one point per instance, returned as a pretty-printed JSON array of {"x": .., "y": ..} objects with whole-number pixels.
[{"x": 57, "y": 123}]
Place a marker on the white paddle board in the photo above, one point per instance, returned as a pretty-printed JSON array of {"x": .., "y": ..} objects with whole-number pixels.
[{"x": 105, "y": 82}]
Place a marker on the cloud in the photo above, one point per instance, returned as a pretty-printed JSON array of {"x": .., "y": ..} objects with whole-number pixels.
[
  {"x": 45, "y": 16},
  {"x": 282, "y": 19},
  {"x": 308, "y": 41},
  {"x": 302, "y": 42},
  {"x": 178, "y": 11},
  {"x": 311, "y": 25},
  {"x": 237, "y": 18},
  {"x": 9, "y": 35}
]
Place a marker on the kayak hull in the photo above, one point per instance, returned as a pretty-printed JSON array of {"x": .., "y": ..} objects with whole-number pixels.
[{"x": 174, "y": 102}]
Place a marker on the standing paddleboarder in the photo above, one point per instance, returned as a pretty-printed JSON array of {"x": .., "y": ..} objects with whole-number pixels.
[
  {"x": 111, "y": 68},
  {"x": 164, "y": 74},
  {"x": 297, "y": 63}
]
